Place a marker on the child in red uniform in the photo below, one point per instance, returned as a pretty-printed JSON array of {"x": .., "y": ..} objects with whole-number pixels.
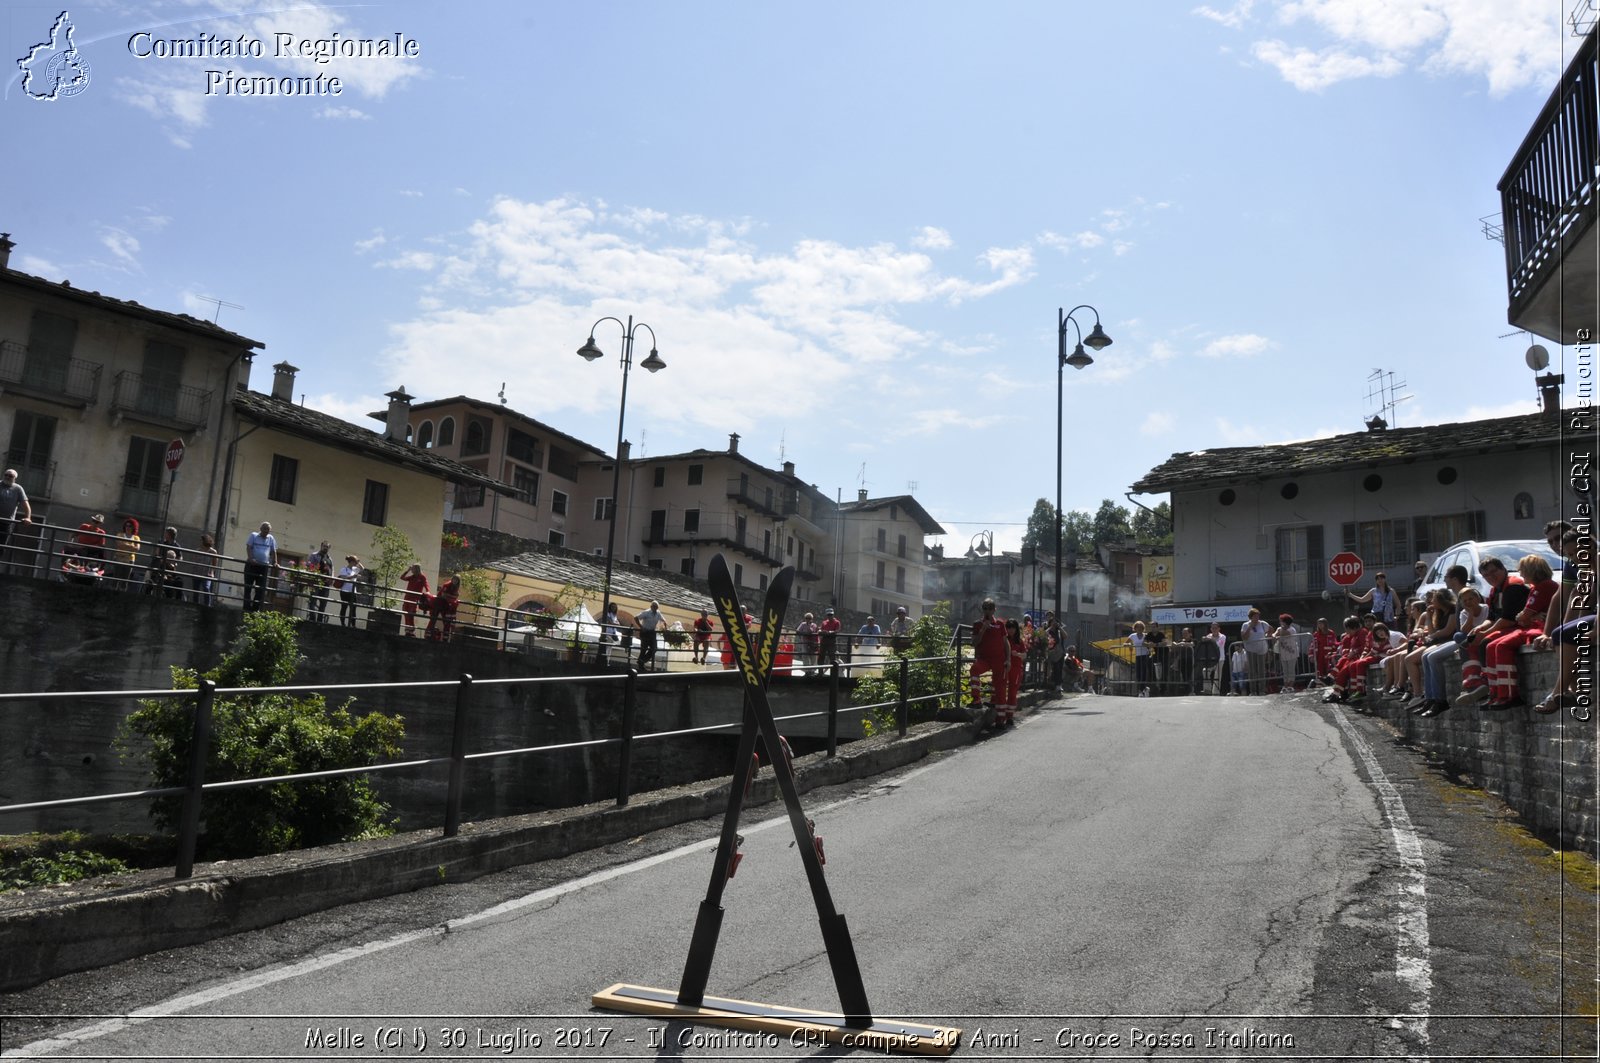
[
  {"x": 1500, "y": 654},
  {"x": 1350, "y": 667},
  {"x": 1009, "y": 683},
  {"x": 991, "y": 653},
  {"x": 1324, "y": 648}
]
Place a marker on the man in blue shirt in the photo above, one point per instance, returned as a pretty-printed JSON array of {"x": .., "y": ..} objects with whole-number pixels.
[{"x": 260, "y": 561}]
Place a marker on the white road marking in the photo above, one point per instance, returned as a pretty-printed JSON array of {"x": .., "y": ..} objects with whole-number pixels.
[
  {"x": 63, "y": 1042},
  {"x": 1412, "y": 965}
]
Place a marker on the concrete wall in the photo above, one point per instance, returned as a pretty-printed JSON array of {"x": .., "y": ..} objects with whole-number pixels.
[{"x": 55, "y": 637}]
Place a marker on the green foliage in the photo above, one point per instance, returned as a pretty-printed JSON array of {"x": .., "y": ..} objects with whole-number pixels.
[
  {"x": 55, "y": 868},
  {"x": 1112, "y": 523},
  {"x": 930, "y": 637},
  {"x": 1153, "y": 528},
  {"x": 264, "y": 735},
  {"x": 391, "y": 555},
  {"x": 484, "y": 592},
  {"x": 1041, "y": 527}
]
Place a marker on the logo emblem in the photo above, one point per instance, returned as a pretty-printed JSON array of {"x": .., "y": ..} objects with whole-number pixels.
[{"x": 54, "y": 69}]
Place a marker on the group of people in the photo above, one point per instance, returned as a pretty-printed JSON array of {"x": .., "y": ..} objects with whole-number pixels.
[
  {"x": 1002, "y": 649},
  {"x": 167, "y": 568},
  {"x": 1527, "y": 608}
]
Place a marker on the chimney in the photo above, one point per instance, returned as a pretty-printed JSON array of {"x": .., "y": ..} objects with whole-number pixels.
[
  {"x": 623, "y": 451},
  {"x": 861, "y": 494},
  {"x": 788, "y": 468},
  {"x": 1549, "y": 393},
  {"x": 283, "y": 381},
  {"x": 6, "y": 245},
  {"x": 733, "y": 442},
  {"x": 394, "y": 425}
]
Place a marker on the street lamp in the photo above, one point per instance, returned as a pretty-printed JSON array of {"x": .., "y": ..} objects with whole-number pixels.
[
  {"x": 1078, "y": 359},
  {"x": 982, "y": 544},
  {"x": 589, "y": 352}
]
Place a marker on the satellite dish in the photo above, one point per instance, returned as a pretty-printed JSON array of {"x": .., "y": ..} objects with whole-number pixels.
[{"x": 1537, "y": 357}]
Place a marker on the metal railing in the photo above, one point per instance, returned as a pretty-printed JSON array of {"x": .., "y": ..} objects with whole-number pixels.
[
  {"x": 204, "y": 698},
  {"x": 180, "y": 406},
  {"x": 72, "y": 379}
]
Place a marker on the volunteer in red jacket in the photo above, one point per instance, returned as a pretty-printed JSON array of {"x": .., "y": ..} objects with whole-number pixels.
[{"x": 991, "y": 654}]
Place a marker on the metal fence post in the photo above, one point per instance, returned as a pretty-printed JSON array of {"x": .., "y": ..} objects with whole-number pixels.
[
  {"x": 630, "y": 710},
  {"x": 902, "y": 711},
  {"x": 199, "y": 752},
  {"x": 458, "y": 758},
  {"x": 956, "y": 661},
  {"x": 833, "y": 709}
]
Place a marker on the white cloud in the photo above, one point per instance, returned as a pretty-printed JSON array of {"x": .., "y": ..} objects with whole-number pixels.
[
  {"x": 377, "y": 239},
  {"x": 1509, "y": 45},
  {"x": 930, "y": 238},
  {"x": 747, "y": 332},
  {"x": 1243, "y": 345},
  {"x": 344, "y": 114},
  {"x": 122, "y": 244}
]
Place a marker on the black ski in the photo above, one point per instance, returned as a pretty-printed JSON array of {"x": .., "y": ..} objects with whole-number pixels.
[{"x": 755, "y": 659}]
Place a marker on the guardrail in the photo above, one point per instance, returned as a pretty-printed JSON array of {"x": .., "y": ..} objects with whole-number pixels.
[{"x": 196, "y": 787}]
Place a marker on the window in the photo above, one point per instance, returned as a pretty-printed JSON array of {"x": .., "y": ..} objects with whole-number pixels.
[
  {"x": 1379, "y": 543},
  {"x": 1300, "y": 562},
  {"x": 880, "y": 574},
  {"x": 469, "y": 496},
  {"x": 766, "y": 544},
  {"x": 523, "y": 447},
  {"x": 161, "y": 379},
  {"x": 738, "y": 575},
  {"x": 563, "y": 463},
  {"x": 900, "y": 578},
  {"x": 558, "y": 538},
  {"x": 1086, "y": 594},
  {"x": 660, "y": 476},
  {"x": 51, "y": 339},
  {"x": 686, "y": 566},
  {"x": 769, "y": 498},
  {"x": 425, "y": 435},
  {"x": 604, "y": 509},
  {"x": 883, "y": 541},
  {"x": 763, "y": 581},
  {"x": 697, "y": 474},
  {"x": 558, "y": 503},
  {"x": 691, "y": 521},
  {"x": 141, "y": 478},
  {"x": 791, "y": 546},
  {"x": 33, "y": 437},
  {"x": 283, "y": 480},
  {"x": 901, "y": 552},
  {"x": 526, "y": 484},
  {"x": 447, "y": 432},
  {"x": 658, "y": 525},
  {"x": 375, "y": 504},
  {"x": 480, "y": 432},
  {"x": 738, "y": 530}
]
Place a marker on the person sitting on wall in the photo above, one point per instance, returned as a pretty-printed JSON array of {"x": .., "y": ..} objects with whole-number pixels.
[
  {"x": 1508, "y": 596},
  {"x": 1574, "y": 611},
  {"x": 1349, "y": 667}
]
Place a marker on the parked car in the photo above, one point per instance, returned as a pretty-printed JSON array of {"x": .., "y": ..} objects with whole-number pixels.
[{"x": 1471, "y": 553}]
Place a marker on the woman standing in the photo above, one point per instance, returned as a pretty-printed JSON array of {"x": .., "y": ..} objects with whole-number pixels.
[
  {"x": 349, "y": 575},
  {"x": 417, "y": 593},
  {"x": 126, "y": 554},
  {"x": 1143, "y": 668}
]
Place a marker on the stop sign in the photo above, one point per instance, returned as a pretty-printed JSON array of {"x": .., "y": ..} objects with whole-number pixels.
[
  {"x": 1345, "y": 568},
  {"x": 174, "y": 454}
]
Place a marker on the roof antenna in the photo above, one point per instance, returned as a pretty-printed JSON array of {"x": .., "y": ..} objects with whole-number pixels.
[
  {"x": 1381, "y": 389},
  {"x": 220, "y": 304}
]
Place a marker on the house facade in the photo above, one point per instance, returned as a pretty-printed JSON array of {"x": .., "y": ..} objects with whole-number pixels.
[
  {"x": 94, "y": 389},
  {"x": 1258, "y": 525},
  {"x": 883, "y": 556}
]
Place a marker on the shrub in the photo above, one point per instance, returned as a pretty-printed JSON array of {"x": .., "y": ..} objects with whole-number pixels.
[
  {"x": 930, "y": 637},
  {"x": 269, "y": 734},
  {"x": 52, "y": 869}
]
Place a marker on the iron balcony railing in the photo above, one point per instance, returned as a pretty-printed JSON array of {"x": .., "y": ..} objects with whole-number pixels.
[
  {"x": 143, "y": 398},
  {"x": 70, "y": 380},
  {"x": 1547, "y": 195},
  {"x": 37, "y": 475}
]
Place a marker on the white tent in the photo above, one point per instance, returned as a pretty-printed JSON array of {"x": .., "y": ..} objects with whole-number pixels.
[{"x": 577, "y": 619}]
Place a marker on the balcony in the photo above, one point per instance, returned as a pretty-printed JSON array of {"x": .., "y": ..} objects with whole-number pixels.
[
  {"x": 141, "y": 502},
  {"x": 140, "y": 398},
  {"x": 1547, "y": 203},
  {"x": 763, "y": 500},
  {"x": 37, "y": 476},
  {"x": 68, "y": 381}
]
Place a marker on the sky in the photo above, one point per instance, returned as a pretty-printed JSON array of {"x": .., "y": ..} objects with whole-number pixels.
[{"x": 849, "y": 227}]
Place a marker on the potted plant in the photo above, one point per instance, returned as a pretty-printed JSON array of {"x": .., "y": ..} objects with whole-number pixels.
[{"x": 391, "y": 555}]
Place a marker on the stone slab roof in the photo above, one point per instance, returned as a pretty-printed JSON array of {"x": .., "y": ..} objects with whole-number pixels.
[
  {"x": 594, "y": 452},
  {"x": 65, "y": 290},
  {"x": 912, "y": 507},
  {"x": 1357, "y": 450},
  {"x": 313, "y": 424},
  {"x": 627, "y": 581}
]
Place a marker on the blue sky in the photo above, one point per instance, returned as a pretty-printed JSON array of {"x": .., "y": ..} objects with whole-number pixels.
[{"x": 849, "y": 225}]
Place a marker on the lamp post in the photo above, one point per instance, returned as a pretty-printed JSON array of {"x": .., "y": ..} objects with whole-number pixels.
[
  {"x": 1078, "y": 359},
  {"x": 982, "y": 544},
  {"x": 589, "y": 352}
]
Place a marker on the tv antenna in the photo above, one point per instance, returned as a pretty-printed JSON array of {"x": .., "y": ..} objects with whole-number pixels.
[
  {"x": 220, "y": 303},
  {"x": 1583, "y": 17},
  {"x": 1383, "y": 390},
  {"x": 861, "y": 477}
]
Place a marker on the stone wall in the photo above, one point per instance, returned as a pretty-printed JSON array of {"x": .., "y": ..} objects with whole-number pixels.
[
  {"x": 1541, "y": 766},
  {"x": 55, "y": 637}
]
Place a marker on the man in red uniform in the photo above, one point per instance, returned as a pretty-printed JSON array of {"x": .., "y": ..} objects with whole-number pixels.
[
  {"x": 991, "y": 653},
  {"x": 830, "y": 637},
  {"x": 1508, "y": 595}
]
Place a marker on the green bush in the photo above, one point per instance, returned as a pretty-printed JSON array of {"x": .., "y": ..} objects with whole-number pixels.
[
  {"x": 263, "y": 735},
  {"x": 930, "y": 637},
  {"x": 56, "y": 868}
]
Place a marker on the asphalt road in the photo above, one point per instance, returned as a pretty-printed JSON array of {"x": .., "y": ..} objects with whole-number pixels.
[{"x": 1247, "y": 878}]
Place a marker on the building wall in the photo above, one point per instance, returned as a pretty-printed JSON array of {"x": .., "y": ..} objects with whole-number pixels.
[
  {"x": 1241, "y": 538},
  {"x": 91, "y": 445},
  {"x": 905, "y": 579},
  {"x": 329, "y": 496}
]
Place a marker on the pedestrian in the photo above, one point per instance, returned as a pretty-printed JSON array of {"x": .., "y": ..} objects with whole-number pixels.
[
  {"x": 900, "y": 631},
  {"x": 205, "y": 563},
  {"x": 14, "y": 509},
  {"x": 1239, "y": 667},
  {"x": 830, "y": 637},
  {"x": 1286, "y": 640},
  {"x": 1005, "y": 704},
  {"x": 1213, "y": 662},
  {"x": 442, "y": 611},
  {"x": 260, "y": 562},
  {"x": 1254, "y": 634},
  {"x": 1380, "y": 597},
  {"x": 349, "y": 578},
  {"x": 867, "y": 635},
  {"x": 810, "y": 640},
  {"x": 90, "y": 541},
  {"x": 648, "y": 622},
  {"x": 320, "y": 567},
  {"x": 125, "y": 552},
  {"x": 418, "y": 595},
  {"x": 170, "y": 584},
  {"x": 702, "y": 637},
  {"x": 610, "y": 634},
  {"x": 1143, "y": 667},
  {"x": 991, "y": 654}
]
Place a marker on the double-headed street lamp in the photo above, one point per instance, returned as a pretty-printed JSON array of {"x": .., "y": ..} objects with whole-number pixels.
[
  {"x": 590, "y": 351},
  {"x": 982, "y": 545},
  {"x": 1078, "y": 359}
]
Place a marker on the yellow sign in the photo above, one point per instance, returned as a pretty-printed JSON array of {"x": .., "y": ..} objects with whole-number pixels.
[{"x": 1158, "y": 577}]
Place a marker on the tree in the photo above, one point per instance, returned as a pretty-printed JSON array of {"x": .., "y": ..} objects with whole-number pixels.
[
  {"x": 928, "y": 678},
  {"x": 1112, "y": 524},
  {"x": 391, "y": 555},
  {"x": 254, "y": 736},
  {"x": 1077, "y": 531},
  {"x": 1041, "y": 531},
  {"x": 1153, "y": 528}
]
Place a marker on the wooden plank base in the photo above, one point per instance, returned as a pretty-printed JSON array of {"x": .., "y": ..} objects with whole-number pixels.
[{"x": 799, "y": 1027}]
